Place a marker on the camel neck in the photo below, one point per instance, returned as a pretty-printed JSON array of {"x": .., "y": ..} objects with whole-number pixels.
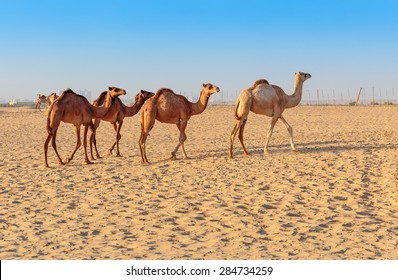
[
  {"x": 101, "y": 111},
  {"x": 108, "y": 100},
  {"x": 294, "y": 99},
  {"x": 132, "y": 110},
  {"x": 201, "y": 104}
]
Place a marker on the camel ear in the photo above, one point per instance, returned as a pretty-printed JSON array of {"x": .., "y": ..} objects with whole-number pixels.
[
  {"x": 111, "y": 88},
  {"x": 142, "y": 91},
  {"x": 203, "y": 85}
]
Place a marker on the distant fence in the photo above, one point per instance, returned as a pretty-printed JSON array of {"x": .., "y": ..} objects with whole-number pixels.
[
  {"x": 367, "y": 97},
  {"x": 311, "y": 97}
]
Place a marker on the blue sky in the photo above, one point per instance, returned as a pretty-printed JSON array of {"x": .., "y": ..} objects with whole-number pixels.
[{"x": 50, "y": 45}]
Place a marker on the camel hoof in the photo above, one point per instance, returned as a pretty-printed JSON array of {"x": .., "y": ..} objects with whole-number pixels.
[
  {"x": 119, "y": 155},
  {"x": 46, "y": 165},
  {"x": 89, "y": 162}
]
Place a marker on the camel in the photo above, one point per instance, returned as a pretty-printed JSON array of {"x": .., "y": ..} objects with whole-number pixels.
[
  {"x": 41, "y": 98},
  {"x": 168, "y": 107},
  {"x": 77, "y": 110},
  {"x": 51, "y": 98},
  {"x": 265, "y": 99},
  {"x": 116, "y": 116}
]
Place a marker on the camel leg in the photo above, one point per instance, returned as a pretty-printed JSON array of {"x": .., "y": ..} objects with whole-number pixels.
[
  {"x": 240, "y": 136},
  {"x": 114, "y": 144},
  {"x": 85, "y": 145},
  {"x": 54, "y": 144},
  {"x": 173, "y": 153},
  {"x": 46, "y": 149},
  {"x": 141, "y": 144},
  {"x": 118, "y": 137},
  {"x": 148, "y": 118},
  {"x": 232, "y": 137},
  {"x": 93, "y": 140},
  {"x": 78, "y": 143},
  {"x": 271, "y": 128},
  {"x": 183, "y": 137},
  {"x": 117, "y": 128},
  {"x": 182, "y": 125},
  {"x": 290, "y": 130},
  {"x": 239, "y": 127}
]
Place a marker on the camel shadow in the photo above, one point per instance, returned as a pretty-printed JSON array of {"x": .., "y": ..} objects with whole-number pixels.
[
  {"x": 276, "y": 149},
  {"x": 322, "y": 146}
]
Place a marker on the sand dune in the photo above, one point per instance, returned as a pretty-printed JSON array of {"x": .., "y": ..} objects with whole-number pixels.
[{"x": 336, "y": 198}]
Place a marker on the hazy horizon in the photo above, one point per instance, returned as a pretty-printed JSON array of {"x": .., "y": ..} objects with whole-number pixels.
[{"x": 53, "y": 45}]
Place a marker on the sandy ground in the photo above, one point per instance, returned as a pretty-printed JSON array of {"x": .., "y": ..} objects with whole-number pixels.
[{"x": 336, "y": 198}]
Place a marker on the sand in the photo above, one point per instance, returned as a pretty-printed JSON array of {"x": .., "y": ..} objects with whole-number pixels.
[{"x": 335, "y": 198}]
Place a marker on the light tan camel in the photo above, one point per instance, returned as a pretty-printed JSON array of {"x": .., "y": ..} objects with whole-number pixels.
[
  {"x": 265, "y": 99},
  {"x": 41, "y": 98},
  {"x": 75, "y": 109},
  {"x": 168, "y": 107},
  {"x": 116, "y": 116}
]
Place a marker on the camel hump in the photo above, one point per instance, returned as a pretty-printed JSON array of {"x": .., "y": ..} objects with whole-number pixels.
[
  {"x": 163, "y": 91},
  {"x": 259, "y": 82},
  {"x": 64, "y": 94},
  {"x": 68, "y": 90}
]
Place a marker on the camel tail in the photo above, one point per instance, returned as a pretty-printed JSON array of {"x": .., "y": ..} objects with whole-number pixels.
[
  {"x": 236, "y": 109},
  {"x": 48, "y": 114}
]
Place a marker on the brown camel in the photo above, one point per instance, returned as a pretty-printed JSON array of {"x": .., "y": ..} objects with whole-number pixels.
[
  {"x": 75, "y": 109},
  {"x": 168, "y": 107},
  {"x": 41, "y": 98},
  {"x": 265, "y": 99},
  {"x": 116, "y": 116}
]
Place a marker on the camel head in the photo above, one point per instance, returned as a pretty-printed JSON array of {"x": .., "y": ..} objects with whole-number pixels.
[
  {"x": 303, "y": 76},
  {"x": 116, "y": 92},
  {"x": 210, "y": 89},
  {"x": 143, "y": 95}
]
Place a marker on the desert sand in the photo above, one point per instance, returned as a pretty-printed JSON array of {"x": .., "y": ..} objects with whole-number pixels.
[{"x": 335, "y": 198}]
